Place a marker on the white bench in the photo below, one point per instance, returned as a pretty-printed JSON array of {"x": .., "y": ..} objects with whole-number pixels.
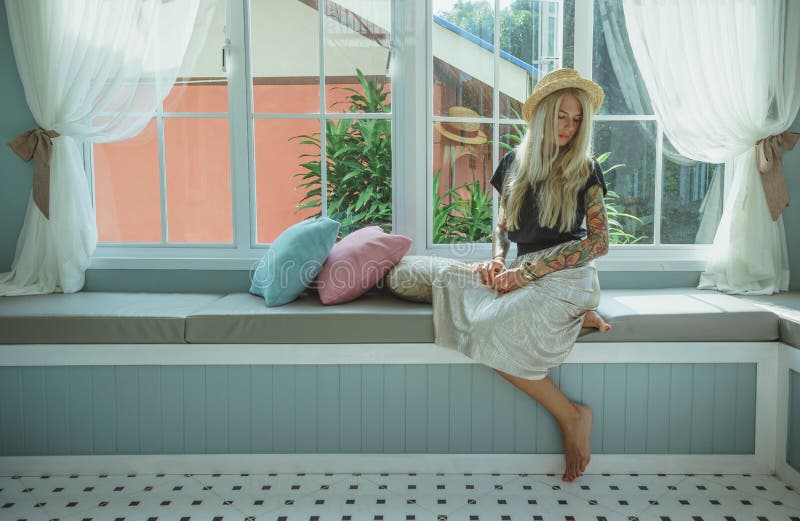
[{"x": 681, "y": 342}]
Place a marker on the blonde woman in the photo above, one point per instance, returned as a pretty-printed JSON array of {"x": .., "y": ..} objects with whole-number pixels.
[{"x": 522, "y": 318}]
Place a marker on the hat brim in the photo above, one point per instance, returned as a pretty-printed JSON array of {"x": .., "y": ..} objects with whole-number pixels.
[
  {"x": 592, "y": 89},
  {"x": 480, "y": 139}
]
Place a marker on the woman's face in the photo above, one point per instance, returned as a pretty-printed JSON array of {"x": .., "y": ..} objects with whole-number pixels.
[{"x": 570, "y": 115}]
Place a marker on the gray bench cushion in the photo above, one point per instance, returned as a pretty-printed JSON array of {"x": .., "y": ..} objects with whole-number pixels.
[
  {"x": 92, "y": 318},
  {"x": 244, "y": 318},
  {"x": 787, "y": 307},
  {"x": 681, "y": 315},
  {"x": 671, "y": 315}
]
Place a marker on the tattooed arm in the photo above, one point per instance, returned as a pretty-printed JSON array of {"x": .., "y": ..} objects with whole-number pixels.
[
  {"x": 500, "y": 242},
  {"x": 594, "y": 245},
  {"x": 572, "y": 254}
]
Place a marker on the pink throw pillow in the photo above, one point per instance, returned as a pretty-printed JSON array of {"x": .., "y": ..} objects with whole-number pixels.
[{"x": 358, "y": 262}]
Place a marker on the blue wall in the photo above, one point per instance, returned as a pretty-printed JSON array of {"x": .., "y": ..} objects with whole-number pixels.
[
  {"x": 17, "y": 180},
  {"x": 791, "y": 216},
  {"x": 793, "y": 434},
  {"x": 454, "y": 408},
  {"x": 16, "y": 177}
]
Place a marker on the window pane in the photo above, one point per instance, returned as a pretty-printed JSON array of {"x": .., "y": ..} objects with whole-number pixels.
[
  {"x": 286, "y": 96},
  {"x": 357, "y": 43},
  {"x": 463, "y": 56},
  {"x": 285, "y": 56},
  {"x": 528, "y": 50},
  {"x": 345, "y": 96},
  {"x": 462, "y": 167},
  {"x": 691, "y": 205},
  {"x": 197, "y": 154},
  {"x": 630, "y": 176},
  {"x": 510, "y": 137},
  {"x": 202, "y": 84},
  {"x": 127, "y": 188},
  {"x": 198, "y": 95},
  {"x": 613, "y": 64},
  {"x": 359, "y": 173},
  {"x": 280, "y": 146}
]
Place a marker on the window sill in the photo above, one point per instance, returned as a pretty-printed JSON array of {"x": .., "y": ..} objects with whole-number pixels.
[
  {"x": 620, "y": 258},
  {"x": 629, "y": 258},
  {"x": 135, "y": 258},
  {"x": 664, "y": 258}
]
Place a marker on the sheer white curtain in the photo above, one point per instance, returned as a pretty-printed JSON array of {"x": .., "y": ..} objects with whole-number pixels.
[
  {"x": 92, "y": 71},
  {"x": 722, "y": 75},
  {"x": 624, "y": 67}
]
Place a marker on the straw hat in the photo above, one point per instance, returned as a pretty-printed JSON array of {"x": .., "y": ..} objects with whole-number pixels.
[
  {"x": 468, "y": 133},
  {"x": 562, "y": 79}
]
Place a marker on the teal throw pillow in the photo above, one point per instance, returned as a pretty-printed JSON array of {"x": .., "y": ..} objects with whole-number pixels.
[{"x": 293, "y": 260}]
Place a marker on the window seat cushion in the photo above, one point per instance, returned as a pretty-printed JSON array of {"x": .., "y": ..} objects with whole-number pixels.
[
  {"x": 240, "y": 318},
  {"x": 787, "y": 307},
  {"x": 681, "y": 315},
  {"x": 665, "y": 315},
  {"x": 98, "y": 317}
]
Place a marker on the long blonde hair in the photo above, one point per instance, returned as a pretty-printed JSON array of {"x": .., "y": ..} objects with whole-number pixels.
[{"x": 555, "y": 173}]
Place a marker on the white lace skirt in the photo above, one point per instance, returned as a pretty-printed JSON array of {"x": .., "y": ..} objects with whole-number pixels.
[{"x": 524, "y": 332}]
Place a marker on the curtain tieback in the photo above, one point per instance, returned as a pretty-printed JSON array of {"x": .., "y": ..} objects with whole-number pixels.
[
  {"x": 769, "y": 164},
  {"x": 37, "y": 144}
]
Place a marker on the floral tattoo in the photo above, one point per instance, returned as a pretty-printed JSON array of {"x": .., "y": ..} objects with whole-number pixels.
[{"x": 594, "y": 245}]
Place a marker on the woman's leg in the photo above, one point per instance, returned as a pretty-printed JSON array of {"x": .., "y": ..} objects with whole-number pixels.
[{"x": 574, "y": 419}]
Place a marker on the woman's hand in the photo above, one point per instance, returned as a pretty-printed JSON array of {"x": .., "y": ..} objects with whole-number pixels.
[
  {"x": 489, "y": 270},
  {"x": 509, "y": 280}
]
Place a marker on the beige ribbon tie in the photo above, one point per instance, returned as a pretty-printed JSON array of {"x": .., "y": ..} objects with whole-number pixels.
[
  {"x": 37, "y": 144},
  {"x": 769, "y": 164}
]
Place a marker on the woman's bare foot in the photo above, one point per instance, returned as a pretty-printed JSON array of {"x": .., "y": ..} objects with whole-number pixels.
[
  {"x": 577, "y": 442},
  {"x": 593, "y": 319}
]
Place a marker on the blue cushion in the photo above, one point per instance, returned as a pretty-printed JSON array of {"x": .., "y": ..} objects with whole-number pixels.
[{"x": 294, "y": 260}]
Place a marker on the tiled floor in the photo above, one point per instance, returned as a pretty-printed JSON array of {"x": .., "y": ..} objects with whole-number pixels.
[{"x": 385, "y": 497}]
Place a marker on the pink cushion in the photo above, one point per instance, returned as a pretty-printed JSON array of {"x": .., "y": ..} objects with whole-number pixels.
[{"x": 358, "y": 262}]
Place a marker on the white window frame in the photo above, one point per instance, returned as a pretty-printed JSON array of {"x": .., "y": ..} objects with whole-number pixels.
[
  {"x": 223, "y": 256},
  {"x": 634, "y": 257},
  {"x": 412, "y": 154}
]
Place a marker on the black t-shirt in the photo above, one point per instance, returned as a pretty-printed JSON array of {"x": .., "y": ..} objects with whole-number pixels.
[{"x": 532, "y": 237}]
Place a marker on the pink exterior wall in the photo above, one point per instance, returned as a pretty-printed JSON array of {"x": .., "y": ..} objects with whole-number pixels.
[
  {"x": 199, "y": 205},
  {"x": 197, "y": 156},
  {"x": 127, "y": 189}
]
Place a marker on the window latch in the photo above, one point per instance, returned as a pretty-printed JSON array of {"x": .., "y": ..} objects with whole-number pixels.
[{"x": 225, "y": 49}]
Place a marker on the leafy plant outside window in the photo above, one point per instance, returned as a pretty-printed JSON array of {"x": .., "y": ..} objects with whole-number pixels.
[
  {"x": 359, "y": 163},
  {"x": 617, "y": 233},
  {"x": 461, "y": 218}
]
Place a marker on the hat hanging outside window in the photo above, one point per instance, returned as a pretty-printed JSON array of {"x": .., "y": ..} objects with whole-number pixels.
[{"x": 467, "y": 133}]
